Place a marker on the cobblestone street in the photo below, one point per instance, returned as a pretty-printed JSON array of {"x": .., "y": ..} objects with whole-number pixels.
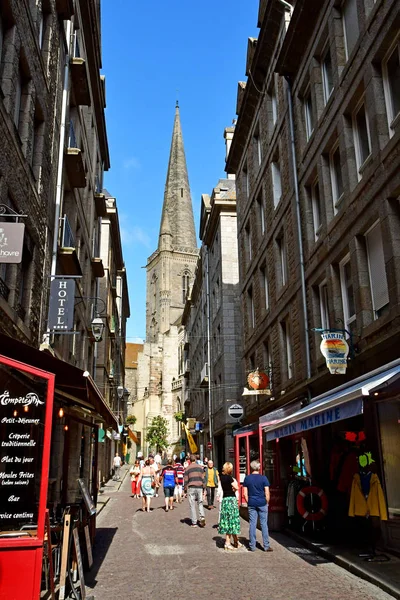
[{"x": 158, "y": 555}]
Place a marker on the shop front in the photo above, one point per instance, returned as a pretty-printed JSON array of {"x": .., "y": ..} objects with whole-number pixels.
[
  {"x": 250, "y": 444},
  {"x": 338, "y": 455},
  {"x": 65, "y": 469}
]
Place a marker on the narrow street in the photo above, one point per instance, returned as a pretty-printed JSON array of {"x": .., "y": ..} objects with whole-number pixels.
[{"x": 157, "y": 555}]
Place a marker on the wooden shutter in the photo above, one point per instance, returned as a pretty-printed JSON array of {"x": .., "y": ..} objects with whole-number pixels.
[{"x": 377, "y": 269}]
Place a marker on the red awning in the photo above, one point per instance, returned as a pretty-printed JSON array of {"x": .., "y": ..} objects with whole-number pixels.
[{"x": 70, "y": 380}]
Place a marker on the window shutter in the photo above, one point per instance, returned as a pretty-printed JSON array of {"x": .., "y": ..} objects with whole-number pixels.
[{"x": 377, "y": 270}]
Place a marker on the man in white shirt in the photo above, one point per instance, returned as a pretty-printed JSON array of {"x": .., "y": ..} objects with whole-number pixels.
[{"x": 117, "y": 466}]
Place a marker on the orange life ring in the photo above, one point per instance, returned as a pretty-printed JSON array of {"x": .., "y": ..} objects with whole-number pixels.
[{"x": 301, "y": 507}]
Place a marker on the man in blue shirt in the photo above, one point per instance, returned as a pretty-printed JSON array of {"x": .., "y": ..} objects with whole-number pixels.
[{"x": 256, "y": 494}]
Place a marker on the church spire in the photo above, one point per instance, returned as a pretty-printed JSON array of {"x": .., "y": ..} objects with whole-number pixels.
[{"x": 177, "y": 216}]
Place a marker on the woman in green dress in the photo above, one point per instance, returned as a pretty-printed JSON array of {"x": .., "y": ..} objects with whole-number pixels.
[{"x": 229, "y": 521}]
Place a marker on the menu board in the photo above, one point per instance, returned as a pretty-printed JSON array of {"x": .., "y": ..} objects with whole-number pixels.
[
  {"x": 22, "y": 418},
  {"x": 87, "y": 497}
]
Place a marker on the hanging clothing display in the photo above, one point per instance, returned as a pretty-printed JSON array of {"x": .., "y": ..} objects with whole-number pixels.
[
  {"x": 373, "y": 504},
  {"x": 349, "y": 467}
]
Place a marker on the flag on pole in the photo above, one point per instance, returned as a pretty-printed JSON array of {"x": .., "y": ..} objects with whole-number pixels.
[
  {"x": 192, "y": 443},
  {"x": 133, "y": 436}
]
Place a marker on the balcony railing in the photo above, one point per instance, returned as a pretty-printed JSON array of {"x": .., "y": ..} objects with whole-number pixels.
[
  {"x": 77, "y": 50},
  {"x": 21, "y": 312},
  {"x": 97, "y": 185},
  {"x": 176, "y": 385},
  {"x": 72, "y": 143},
  {"x": 4, "y": 290},
  {"x": 67, "y": 237}
]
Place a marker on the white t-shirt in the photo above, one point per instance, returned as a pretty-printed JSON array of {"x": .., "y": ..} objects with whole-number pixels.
[{"x": 117, "y": 461}]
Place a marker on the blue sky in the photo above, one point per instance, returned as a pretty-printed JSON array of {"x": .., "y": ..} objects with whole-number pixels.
[{"x": 153, "y": 53}]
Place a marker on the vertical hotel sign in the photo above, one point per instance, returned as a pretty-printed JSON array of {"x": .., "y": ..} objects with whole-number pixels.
[{"x": 62, "y": 301}]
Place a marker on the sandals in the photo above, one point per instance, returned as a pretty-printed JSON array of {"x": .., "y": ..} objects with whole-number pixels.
[
  {"x": 238, "y": 545},
  {"x": 229, "y": 547}
]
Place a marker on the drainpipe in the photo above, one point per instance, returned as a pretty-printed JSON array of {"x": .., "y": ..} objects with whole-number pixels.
[
  {"x": 60, "y": 165},
  {"x": 298, "y": 220},
  {"x": 210, "y": 414}
]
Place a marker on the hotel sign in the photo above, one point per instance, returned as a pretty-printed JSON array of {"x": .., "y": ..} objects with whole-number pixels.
[
  {"x": 62, "y": 302},
  {"x": 11, "y": 242}
]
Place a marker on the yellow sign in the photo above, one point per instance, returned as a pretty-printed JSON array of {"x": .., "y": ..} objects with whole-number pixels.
[{"x": 192, "y": 443}]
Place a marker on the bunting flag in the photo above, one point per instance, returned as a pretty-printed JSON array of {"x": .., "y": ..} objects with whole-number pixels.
[
  {"x": 133, "y": 436},
  {"x": 192, "y": 443}
]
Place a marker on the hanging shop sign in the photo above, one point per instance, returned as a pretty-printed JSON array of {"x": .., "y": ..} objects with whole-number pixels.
[
  {"x": 62, "y": 302},
  {"x": 258, "y": 382},
  {"x": 11, "y": 242},
  {"x": 325, "y": 417},
  {"x": 335, "y": 349}
]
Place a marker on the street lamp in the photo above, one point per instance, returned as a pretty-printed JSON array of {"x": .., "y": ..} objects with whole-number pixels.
[{"x": 97, "y": 327}]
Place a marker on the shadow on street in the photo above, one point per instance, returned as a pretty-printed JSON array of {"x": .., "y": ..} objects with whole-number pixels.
[{"x": 103, "y": 541}]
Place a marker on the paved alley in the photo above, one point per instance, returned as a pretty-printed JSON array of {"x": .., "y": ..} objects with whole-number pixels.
[{"x": 158, "y": 555}]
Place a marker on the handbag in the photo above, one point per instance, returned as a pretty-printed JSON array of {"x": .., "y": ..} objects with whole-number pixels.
[{"x": 153, "y": 484}]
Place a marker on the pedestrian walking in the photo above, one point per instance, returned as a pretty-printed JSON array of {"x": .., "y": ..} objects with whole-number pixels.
[
  {"x": 157, "y": 468},
  {"x": 211, "y": 480},
  {"x": 117, "y": 466},
  {"x": 168, "y": 476},
  {"x": 134, "y": 472},
  {"x": 147, "y": 479},
  {"x": 256, "y": 494},
  {"x": 140, "y": 459},
  {"x": 179, "y": 481},
  {"x": 229, "y": 521},
  {"x": 194, "y": 486}
]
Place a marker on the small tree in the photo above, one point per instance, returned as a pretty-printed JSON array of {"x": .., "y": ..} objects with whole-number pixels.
[{"x": 157, "y": 433}]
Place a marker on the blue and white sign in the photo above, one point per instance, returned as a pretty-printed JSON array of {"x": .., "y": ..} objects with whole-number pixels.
[{"x": 325, "y": 417}]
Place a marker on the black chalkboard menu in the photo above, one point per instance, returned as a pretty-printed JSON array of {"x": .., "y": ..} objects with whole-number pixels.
[{"x": 22, "y": 419}]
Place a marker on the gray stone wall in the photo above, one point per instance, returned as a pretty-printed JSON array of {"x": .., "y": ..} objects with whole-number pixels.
[
  {"x": 27, "y": 156},
  {"x": 367, "y": 196}
]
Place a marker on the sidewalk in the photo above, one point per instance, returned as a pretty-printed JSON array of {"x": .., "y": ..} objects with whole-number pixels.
[
  {"x": 157, "y": 554},
  {"x": 109, "y": 488},
  {"x": 386, "y": 575}
]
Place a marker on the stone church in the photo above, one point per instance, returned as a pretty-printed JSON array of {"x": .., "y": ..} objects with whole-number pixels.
[{"x": 170, "y": 273}]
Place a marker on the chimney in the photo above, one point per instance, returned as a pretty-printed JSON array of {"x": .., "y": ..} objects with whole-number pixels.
[{"x": 228, "y": 135}]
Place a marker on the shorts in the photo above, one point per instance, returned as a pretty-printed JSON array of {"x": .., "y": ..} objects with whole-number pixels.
[
  {"x": 169, "y": 491},
  {"x": 178, "y": 489}
]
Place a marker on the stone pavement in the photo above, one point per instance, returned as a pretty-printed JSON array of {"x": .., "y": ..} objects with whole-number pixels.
[{"x": 158, "y": 555}]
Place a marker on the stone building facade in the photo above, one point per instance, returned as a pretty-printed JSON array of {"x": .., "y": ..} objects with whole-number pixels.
[
  {"x": 29, "y": 56},
  {"x": 339, "y": 199},
  {"x": 53, "y": 155},
  {"x": 213, "y": 314},
  {"x": 170, "y": 271},
  {"x": 316, "y": 157}
]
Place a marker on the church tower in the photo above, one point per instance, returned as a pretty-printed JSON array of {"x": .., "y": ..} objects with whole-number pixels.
[
  {"x": 170, "y": 273},
  {"x": 170, "y": 268}
]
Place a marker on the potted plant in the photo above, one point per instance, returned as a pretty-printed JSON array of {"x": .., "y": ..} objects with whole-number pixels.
[
  {"x": 131, "y": 420},
  {"x": 179, "y": 416}
]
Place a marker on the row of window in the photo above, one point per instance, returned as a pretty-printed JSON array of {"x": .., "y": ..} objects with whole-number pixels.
[
  {"x": 324, "y": 291},
  {"x": 360, "y": 124}
]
